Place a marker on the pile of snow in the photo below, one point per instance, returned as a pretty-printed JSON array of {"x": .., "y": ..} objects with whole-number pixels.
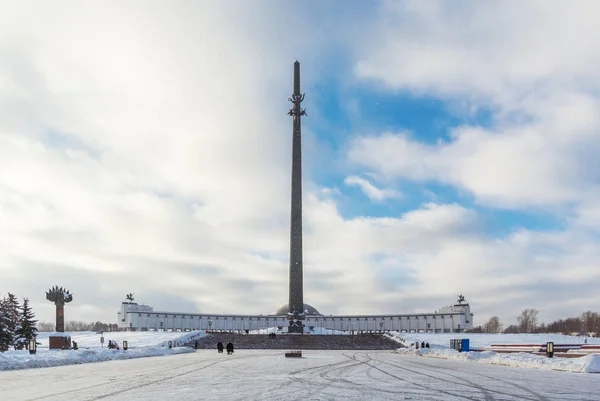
[
  {"x": 11, "y": 360},
  {"x": 482, "y": 340},
  {"x": 584, "y": 364},
  {"x": 135, "y": 339},
  {"x": 140, "y": 345}
]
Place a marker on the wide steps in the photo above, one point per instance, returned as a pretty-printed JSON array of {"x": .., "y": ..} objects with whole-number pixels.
[{"x": 299, "y": 342}]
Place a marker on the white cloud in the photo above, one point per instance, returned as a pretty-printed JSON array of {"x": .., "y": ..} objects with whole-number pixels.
[
  {"x": 371, "y": 190},
  {"x": 529, "y": 64},
  {"x": 485, "y": 51},
  {"x": 516, "y": 168}
]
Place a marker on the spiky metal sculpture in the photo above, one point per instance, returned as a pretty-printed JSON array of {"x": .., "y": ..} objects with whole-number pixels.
[{"x": 60, "y": 297}]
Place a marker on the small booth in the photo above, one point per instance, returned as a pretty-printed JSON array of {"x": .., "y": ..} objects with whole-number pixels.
[{"x": 460, "y": 344}]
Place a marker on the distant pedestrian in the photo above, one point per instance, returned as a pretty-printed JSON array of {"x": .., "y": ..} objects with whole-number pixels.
[
  {"x": 422, "y": 344},
  {"x": 229, "y": 348},
  {"x": 220, "y": 347},
  {"x": 427, "y": 345},
  {"x": 417, "y": 345},
  {"x": 196, "y": 344}
]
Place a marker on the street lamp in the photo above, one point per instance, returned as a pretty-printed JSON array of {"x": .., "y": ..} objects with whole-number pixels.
[
  {"x": 380, "y": 326},
  {"x": 32, "y": 346},
  {"x": 209, "y": 324},
  {"x": 161, "y": 326}
]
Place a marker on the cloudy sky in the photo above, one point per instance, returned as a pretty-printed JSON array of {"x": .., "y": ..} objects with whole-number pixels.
[{"x": 451, "y": 148}]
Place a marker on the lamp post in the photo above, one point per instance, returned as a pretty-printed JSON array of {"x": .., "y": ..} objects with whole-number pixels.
[
  {"x": 380, "y": 327},
  {"x": 32, "y": 346},
  {"x": 161, "y": 326},
  {"x": 209, "y": 324},
  {"x": 550, "y": 349}
]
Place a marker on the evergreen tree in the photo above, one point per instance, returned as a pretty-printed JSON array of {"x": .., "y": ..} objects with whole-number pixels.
[
  {"x": 27, "y": 330},
  {"x": 5, "y": 334},
  {"x": 12, "y": 312}
]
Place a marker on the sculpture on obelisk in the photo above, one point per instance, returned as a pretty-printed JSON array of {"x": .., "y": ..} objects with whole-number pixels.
[
  {"x": 60, "y": 297},
  {"x": 296, "y": 303}
]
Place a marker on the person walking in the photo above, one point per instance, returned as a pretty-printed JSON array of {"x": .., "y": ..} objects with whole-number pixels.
[
  {"x": 220, "y": 347},
  {"x": 229, "y": 348}
]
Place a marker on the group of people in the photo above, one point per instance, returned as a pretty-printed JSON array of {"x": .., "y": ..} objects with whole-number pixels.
[
  {"x": 229, "y": 347},
  {"x": 423, "y": 344},
  {"x": 272, "y": 335}
]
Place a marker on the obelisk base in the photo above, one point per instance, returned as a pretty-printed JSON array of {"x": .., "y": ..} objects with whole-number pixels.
[{"x": 296, "y": 327}]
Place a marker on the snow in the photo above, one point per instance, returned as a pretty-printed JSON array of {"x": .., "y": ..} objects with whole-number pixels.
[
  {"x": 439, "y": 348},
  {"x": 479, "y": 340},
  {"x": 139, "y": 344},
  {"x": 584, "y": 364},
  {"x": 147, "y": 344},
  {"x": 135, "y": 339},
  {"x": 268, "y": 375},
  {"x": 11, "y": 360}
]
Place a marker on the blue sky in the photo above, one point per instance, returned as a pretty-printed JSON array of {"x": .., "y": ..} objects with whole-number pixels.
[
  {"x": 443, "y": 141},
  {"x": 343, "y": 110}
]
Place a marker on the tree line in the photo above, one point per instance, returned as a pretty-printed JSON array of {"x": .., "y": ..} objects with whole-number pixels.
[
  {"x": 77, "y": 325},
  {"x": 527, "y": 322},
  {"x": 17, "y": 323}
]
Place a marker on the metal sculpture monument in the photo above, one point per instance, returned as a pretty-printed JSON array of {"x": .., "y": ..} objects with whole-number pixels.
[
  {"x": 60, "y": 297},
  {"x": 296, "y": 302}
]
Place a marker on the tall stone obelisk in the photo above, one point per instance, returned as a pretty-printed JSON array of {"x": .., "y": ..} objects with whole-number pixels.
[{"x": 296, "y": 303}]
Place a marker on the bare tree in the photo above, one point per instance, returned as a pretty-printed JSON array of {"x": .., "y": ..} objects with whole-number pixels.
[
  {"x": 493, "y": 325},
  {"x": 512, "y": 329},
  {"x": 45, "y": 326},
  {"x": 590, "y": 322},
  {"x": 528, "y": 320}
]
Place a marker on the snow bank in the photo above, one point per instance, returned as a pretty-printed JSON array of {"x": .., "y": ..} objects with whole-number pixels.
[
  {"x": 482, "y": 340},
  {"x": 11, "y": 360},
  {"x": 584, "y": 364},
  {"x": 135, "y": 339}
]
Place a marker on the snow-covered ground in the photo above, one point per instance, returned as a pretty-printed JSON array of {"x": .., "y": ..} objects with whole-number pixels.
[
  {"x": 478, "y": 340},
  {"x": 319, "y": 375},
  {"x": 439, "y": 348},
  {"x": 140, "y": 345},
  {"x": 135, "y": 339},
  {"x": 584, "y": 364},
  {"x": 12, "y": 360},
  {"x": 145, "y": 344}
]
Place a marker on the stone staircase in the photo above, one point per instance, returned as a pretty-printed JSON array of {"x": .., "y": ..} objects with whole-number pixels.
[{"x": 299, "y": 342}]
